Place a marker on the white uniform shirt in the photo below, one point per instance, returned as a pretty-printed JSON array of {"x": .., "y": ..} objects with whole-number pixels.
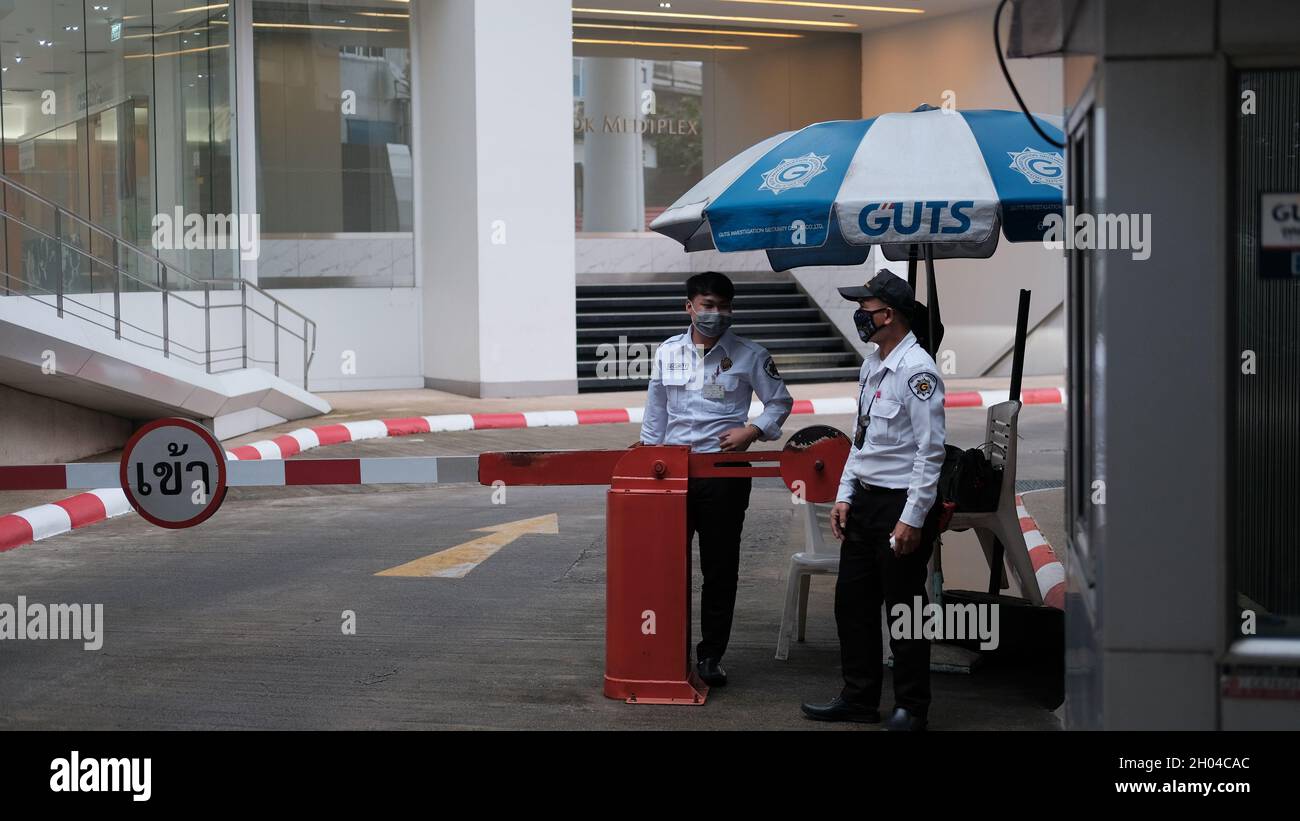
[
  {"x": 694, "y": 399},
  {"x": 900, "y": 400}
]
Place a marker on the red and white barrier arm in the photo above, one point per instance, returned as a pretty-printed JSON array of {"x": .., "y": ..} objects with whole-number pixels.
[{"x": 424, "y": 470}]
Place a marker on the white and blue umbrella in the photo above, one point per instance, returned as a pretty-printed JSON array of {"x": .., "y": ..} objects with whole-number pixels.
[{"x": 944, "y": 181}]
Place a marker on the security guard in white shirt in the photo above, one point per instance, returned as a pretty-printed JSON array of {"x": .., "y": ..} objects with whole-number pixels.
[
  {"x": 699, "y": 396},
  {"x": 886, "y": 512}
]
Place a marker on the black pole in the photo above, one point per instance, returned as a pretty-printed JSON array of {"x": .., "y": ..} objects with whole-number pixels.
[
  {"x": 1018, "y": 355},
  {"x": 932, "y": 302},
  {"x": 911, "y": 267}
]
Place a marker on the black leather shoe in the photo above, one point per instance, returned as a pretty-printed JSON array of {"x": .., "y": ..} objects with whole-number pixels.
[
  {"x": 711, "y": 672},
  {"x": 840, "y": 710},
  {"x": 904, "y": 721}
]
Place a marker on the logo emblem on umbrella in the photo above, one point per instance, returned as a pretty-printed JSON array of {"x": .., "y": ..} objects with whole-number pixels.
[
  {"x": 796, "y": 172},
  {"x": 1040, "y": 167}
]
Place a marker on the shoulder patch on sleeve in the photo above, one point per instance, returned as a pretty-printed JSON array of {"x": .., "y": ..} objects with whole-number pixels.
[
  {"x": 770, "y": 368},
  {"x": 923, "y": 385}
]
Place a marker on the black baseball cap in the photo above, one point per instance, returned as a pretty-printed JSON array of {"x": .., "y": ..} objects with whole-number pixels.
[{"x": 886, "y": 287}]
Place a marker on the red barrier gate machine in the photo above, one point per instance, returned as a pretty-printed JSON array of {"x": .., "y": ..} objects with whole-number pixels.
[
  {"x": 648, "y": 572},
  {"x": 175, "y": 474}
]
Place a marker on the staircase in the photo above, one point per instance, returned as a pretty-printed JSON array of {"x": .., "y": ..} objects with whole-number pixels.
[
  {"x": 90, "y": 319},
  {"x": 619, "y": 325},
  {"x": 79, "y": 269}
]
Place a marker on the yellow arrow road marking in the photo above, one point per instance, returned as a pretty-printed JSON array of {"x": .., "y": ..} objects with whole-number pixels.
[{"x": 456, "y": 562}]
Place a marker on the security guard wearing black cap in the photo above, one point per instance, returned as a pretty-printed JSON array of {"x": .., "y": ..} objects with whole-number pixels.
[{"x": 886, "y": 512}]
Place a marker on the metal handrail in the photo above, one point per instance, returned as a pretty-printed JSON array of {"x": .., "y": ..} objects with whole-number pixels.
[
  {"x": 62, "y": 212},
  {"x": 93, "y": 309},
  {"x": 206, "y": 286}
]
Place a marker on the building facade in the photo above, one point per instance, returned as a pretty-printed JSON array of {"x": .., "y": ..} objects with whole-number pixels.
[{"x": 430, "y": 181}]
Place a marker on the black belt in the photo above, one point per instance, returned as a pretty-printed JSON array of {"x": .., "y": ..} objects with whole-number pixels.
[{"x": 878, "y": 489}]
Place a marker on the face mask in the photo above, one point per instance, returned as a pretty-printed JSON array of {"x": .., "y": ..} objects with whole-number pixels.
[
  {"x": 712, "y": 324},
  {"x": 866, "y": 322}
]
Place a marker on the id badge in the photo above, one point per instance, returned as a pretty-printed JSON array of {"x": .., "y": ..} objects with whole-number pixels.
[{"x": 714, "y": 391}]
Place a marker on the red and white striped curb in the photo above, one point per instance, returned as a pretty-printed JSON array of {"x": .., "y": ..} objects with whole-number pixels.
[
  {"x": 303, "y": 439},
  {"x": 1048, "y": 569},
  {"x": 44, "y": 521}
]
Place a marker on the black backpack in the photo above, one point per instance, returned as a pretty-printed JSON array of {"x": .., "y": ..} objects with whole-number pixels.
[{"x": 968, "y": 482}]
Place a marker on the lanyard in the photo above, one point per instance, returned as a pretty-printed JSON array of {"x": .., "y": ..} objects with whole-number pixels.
[{"x": 860, "y": 437}]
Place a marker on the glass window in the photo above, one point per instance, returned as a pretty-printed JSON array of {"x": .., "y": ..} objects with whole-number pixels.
[
  {"x": 115, "y": 110},
  {"x": 1086, "y": 474},
  {"x": 191, "y": 66},
  {"x": 656, "y": 106},
  {"x": 335, "y": 187},
  {"x": 1265, "y": 441},
  {"x": 638, "y": 141}
]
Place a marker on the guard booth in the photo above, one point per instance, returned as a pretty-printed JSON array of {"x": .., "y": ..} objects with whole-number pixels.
[{"x": 1183, "y": 566}]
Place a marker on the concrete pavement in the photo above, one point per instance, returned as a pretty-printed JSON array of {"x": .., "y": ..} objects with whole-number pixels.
[{"x": 236, "y": 624}]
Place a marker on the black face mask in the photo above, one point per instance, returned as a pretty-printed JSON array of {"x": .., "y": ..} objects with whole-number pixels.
[{"x": 866, "y": 323}]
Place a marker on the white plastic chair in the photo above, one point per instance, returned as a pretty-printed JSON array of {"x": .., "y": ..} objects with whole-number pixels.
[
  {"x": 1003, "y": 523},
  {"x": 817, "y": 558}
]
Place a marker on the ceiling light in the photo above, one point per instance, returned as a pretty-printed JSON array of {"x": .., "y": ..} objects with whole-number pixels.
[
  {"x": 320, "y": 27},
  {"x": 660, "y": 45},
  {"x": 155, "y": 35},
  {"x": 147, "y": 56},
  {"x": 725, "y": 32},
  {"x": 201, "y": 8},
  {"x": 818, "y": 5},
  {"x": 721, "y": 17}
]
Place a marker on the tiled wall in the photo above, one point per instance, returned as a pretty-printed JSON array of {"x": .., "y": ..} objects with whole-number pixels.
[
  {"x": 388, "y": 258},
  {"x": 655, "y": 254}
]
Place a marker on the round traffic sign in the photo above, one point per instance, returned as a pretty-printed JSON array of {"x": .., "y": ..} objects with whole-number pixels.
[{"x": 173, "y": 473}]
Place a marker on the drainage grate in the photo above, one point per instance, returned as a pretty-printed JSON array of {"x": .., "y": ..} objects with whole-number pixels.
[{"x": 1023, "y": 485}]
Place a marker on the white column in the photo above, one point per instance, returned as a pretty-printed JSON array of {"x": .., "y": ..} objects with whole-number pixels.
[
  {"x": 243, "y": 138},
  {"x": 494, "y": 195},
  {"x": 613, "y": 193}
]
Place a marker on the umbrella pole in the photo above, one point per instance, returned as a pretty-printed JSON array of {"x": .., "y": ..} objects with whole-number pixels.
[
  {"x": 932, "y": 340},
  {"x": 911, "y": 267},
  {"x": 932, "y": 298}
]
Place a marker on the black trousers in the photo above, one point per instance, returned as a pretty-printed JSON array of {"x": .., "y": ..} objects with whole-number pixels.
[
  {"x": 870, "y": 574},
  {"x": 715, "y": 508}
]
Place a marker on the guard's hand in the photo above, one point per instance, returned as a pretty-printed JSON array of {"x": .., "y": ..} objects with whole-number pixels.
[
  {"x": 839, "y": 519},
  {"x": 906, "y": 539},
  {"x": 737, "y": 439}
]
